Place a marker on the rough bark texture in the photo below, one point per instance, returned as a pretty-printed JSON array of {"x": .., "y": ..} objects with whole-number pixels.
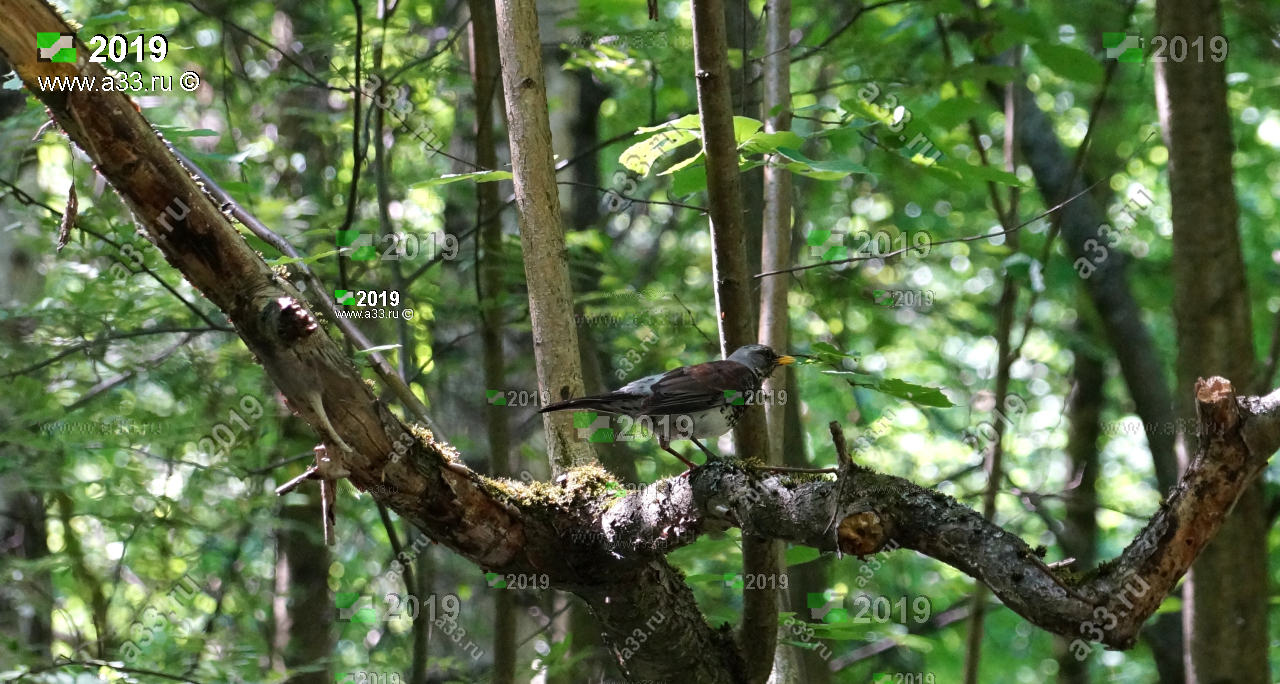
[
  {"x": 759, "y": 636},
  {"x": 485, "y": 79},
  {"x": 555, "y": 339},
  {"x": 1215, "y": 336}
]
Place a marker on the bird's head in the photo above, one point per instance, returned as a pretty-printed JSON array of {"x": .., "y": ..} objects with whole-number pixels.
[{"x": 760, "y": 359}]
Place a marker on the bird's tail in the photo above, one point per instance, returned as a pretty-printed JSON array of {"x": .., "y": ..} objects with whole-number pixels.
[{"x": 600, "y": 402}]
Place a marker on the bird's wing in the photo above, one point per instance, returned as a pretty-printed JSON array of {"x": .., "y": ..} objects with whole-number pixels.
[
  {"x": 691, "y": 389},
  {"x": 627, "y": 400}
]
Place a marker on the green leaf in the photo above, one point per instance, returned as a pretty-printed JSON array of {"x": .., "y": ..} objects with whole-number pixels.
[
  {"x": 683, "y": 164},
  {"x": 826, "y": 348},
  {"x": 1070, "y": 63},
  {"x": 744, "y": 127},
  {"x": 764, "y": 143},
  {"x": 822, "y": 170},
  {"x": 641, "y": 156},
  {"x": 971, "y": 172},
  {"x": 688, "y": 122},
  {"x": 799, "y": 555},
  {"x": 929, "y": 396},
  {"x": 379, "y": 348},
  {"x": 1023, "y": 25},
  {"x": 954, "y": 111},
  {"x": 477, "y": 176},
  {"x": 687, "y": 181}
]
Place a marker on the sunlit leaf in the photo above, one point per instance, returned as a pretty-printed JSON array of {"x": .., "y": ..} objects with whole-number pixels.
[
  {"x": 477, "y": 176},
  {"x": 1070, "y": 63}
]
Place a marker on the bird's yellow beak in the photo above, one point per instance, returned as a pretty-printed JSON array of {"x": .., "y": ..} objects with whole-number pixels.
[{"x": 786, "y": 360}]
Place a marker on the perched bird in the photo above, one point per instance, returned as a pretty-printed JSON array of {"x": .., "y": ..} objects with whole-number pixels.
[{"x": 702, "y": 400}]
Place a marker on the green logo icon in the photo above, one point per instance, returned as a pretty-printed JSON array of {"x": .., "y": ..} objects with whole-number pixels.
[
  {"x": 1123, "y": 47},
  {"x": 347, "y": 601},
  {"x": 345, "y": 297},
  {"x": 879, "y": 297},
  {"x": 495, "y": 580},
  {"x": 734, "y": 398},
  {"x": 360, "y": 245},
  {"x": 825, "y": 606},
  {"x": 496, "y": 397},
  {"x": 56, "y": 47},
  {"x": 732, "y": 580},
  {"x": 593, "y": 427},
  {"x": 881, "y": 678},
  {"x": 827, "y": 245}
]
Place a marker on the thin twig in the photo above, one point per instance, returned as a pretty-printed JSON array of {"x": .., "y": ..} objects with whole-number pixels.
[
  {"x": 219, "y": 16},
  {"x": 634, "y": 199},
  {"x": 107, "y": 338},
  {"x": 844, "y": 27},
  {"x": 842, "y": 449},
  {"x": 100, "y": 663}
]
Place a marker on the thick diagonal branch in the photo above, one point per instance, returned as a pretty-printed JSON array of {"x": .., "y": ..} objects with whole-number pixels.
[{"x": 1239, "y": 435}]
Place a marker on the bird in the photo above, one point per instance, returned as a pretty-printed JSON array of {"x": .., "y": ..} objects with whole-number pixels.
[{"x": 709, "y": 394}]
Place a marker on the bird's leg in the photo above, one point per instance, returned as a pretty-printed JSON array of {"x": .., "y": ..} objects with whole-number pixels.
[
  {"x": 666, "y": 446},
  {"x": 710, "y": 456}
]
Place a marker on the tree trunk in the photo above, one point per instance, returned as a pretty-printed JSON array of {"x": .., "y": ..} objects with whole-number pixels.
[
  {"x": 1224, "y": 619},
  {"x": 758, "y": 637},
  {"x": 485, "y": 79},
  {"x": 775, "y": 254},
  {"x": 304, "y": 609},
  {"x": 1079, "y": 535},
  {"x": 22, "y": 513},
  {"x": 555, "y": 339}
]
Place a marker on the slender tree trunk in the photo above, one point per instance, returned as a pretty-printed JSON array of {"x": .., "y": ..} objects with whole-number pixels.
[
  {"x": 424, "y": 576},
  {"x": 485, "y": 79},
  {"x": 775, "y": 254},
  {"x": 741, "y": 29},
  {"x": 555, "y": 339},
  {"x": 1079, "y": 535},
  {"x": 304, "y": 609},
  {"x": 22, "y": 513},
  {"x": 758, "y": 638},
  {"x": 1222, "y": 615},
  {"x": 303, "y": 624}
]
